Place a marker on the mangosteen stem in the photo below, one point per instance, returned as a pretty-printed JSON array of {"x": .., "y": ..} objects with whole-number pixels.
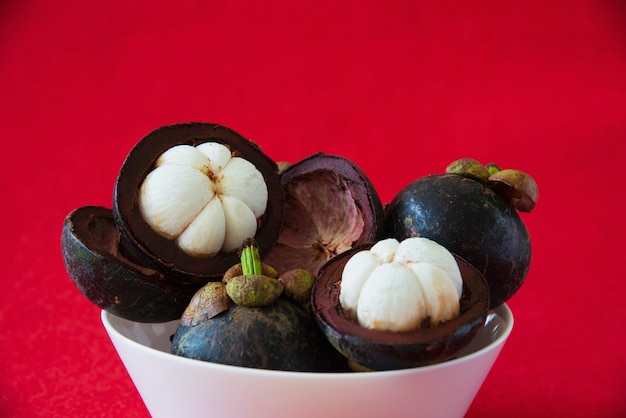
[{"x": 250, "y": 259}]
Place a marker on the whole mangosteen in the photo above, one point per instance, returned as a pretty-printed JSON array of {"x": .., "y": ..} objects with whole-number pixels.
[
  {"x": 473, "y": 211},
  {"x": 253, "y": 319}
]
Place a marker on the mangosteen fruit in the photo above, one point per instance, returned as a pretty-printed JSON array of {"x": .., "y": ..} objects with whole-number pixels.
[
  {"x": 247, "y": 320},
  {"x": 108, "y": 275},
  {"x": 394, "y": 305},
  {"x": 330, "y": 206},
  {"x": 473, "y": 211},
  {"x": 189, "y": 194}
]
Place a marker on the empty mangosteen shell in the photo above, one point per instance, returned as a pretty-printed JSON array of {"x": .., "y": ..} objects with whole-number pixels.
[
  {"x": 349, "y": 175},
  {"x": 107, "y": 275},
  {"x": 279, "y": 336},
  {"x": 382, "y": 350},
  {"x": 469, "y": 219},
  {"x": 161, "y": 253}
]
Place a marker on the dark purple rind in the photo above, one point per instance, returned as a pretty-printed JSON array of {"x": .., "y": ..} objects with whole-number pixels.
[
  {"x": 280, "y": 336},
  {"x": 361, "y": 188},
  {"x": 109, "y": 279},
  {"x": 471, "y": 220},
  {"x": 380, "y": 350},
  {"x": 162, "y": 254}
]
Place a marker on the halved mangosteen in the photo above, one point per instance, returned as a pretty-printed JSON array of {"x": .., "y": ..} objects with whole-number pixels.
[
  {"x": 188, "y": 194},
  {"x": 330, "y": 207},
  {"x": 108, "y": 276},
  {"x": 372, "y": 349}
]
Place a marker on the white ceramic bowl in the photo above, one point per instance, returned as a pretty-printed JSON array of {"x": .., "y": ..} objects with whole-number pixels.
[{"x": 173, "y": 386}]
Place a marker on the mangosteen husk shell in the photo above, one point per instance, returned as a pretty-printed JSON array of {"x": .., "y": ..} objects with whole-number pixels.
[
  {"x": 382, "y": 350},
  {"x": 108, "y": 277},
  {"x": 162, "y": 254},
  {"x": 469, "y": 219},
  {"x": 331, "y": 171},
  {"x": 279, "y": 336}
]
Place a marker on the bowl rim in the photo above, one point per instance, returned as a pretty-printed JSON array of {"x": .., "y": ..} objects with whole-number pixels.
[{"x": 503, "y": 311}]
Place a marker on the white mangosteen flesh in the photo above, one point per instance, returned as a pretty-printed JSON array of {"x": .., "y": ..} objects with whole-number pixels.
[
  {"x": 204, "y": 198},
  {"x": 402, "y": 286}
]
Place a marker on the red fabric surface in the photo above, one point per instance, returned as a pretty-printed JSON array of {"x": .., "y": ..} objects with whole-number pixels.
[{"x": 401, "y": 88}]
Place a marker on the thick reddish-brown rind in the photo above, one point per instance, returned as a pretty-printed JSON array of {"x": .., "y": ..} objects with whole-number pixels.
[
  {"x": 380, "y": 350},
  {"x": 312, "y": 254},
  {"x": 163, "y": 254},
  {"x": 104, "y": 273}
]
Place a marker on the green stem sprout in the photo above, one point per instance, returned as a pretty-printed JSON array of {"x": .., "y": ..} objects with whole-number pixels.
[{"x": 250, "y": 258}]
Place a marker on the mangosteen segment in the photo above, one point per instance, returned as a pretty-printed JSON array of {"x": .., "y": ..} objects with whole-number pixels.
[
  {"x": 382, "y": 350},
  {"x": 188, "y": 194},
  {"x": 330, "y": 206},
  {"x": 108, "y": 275}
]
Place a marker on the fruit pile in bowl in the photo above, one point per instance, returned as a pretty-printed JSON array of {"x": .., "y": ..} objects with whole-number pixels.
[{"x": 217, "y": 268}]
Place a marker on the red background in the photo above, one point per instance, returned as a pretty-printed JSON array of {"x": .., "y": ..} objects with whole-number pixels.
[{"x": 400, "y": 87}]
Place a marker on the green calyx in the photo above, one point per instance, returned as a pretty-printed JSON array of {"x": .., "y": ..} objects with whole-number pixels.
[
  {"x": 517, "y": 187},
  {"x": 251, "y": 283},
  {"x": 298, "y": 284},
  {"x": 492, "y": 168},
  {"x": 470, "y": 168}
]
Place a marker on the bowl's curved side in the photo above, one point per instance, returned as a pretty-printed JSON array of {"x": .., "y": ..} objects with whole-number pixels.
[{"x": 176, "y": 386}]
